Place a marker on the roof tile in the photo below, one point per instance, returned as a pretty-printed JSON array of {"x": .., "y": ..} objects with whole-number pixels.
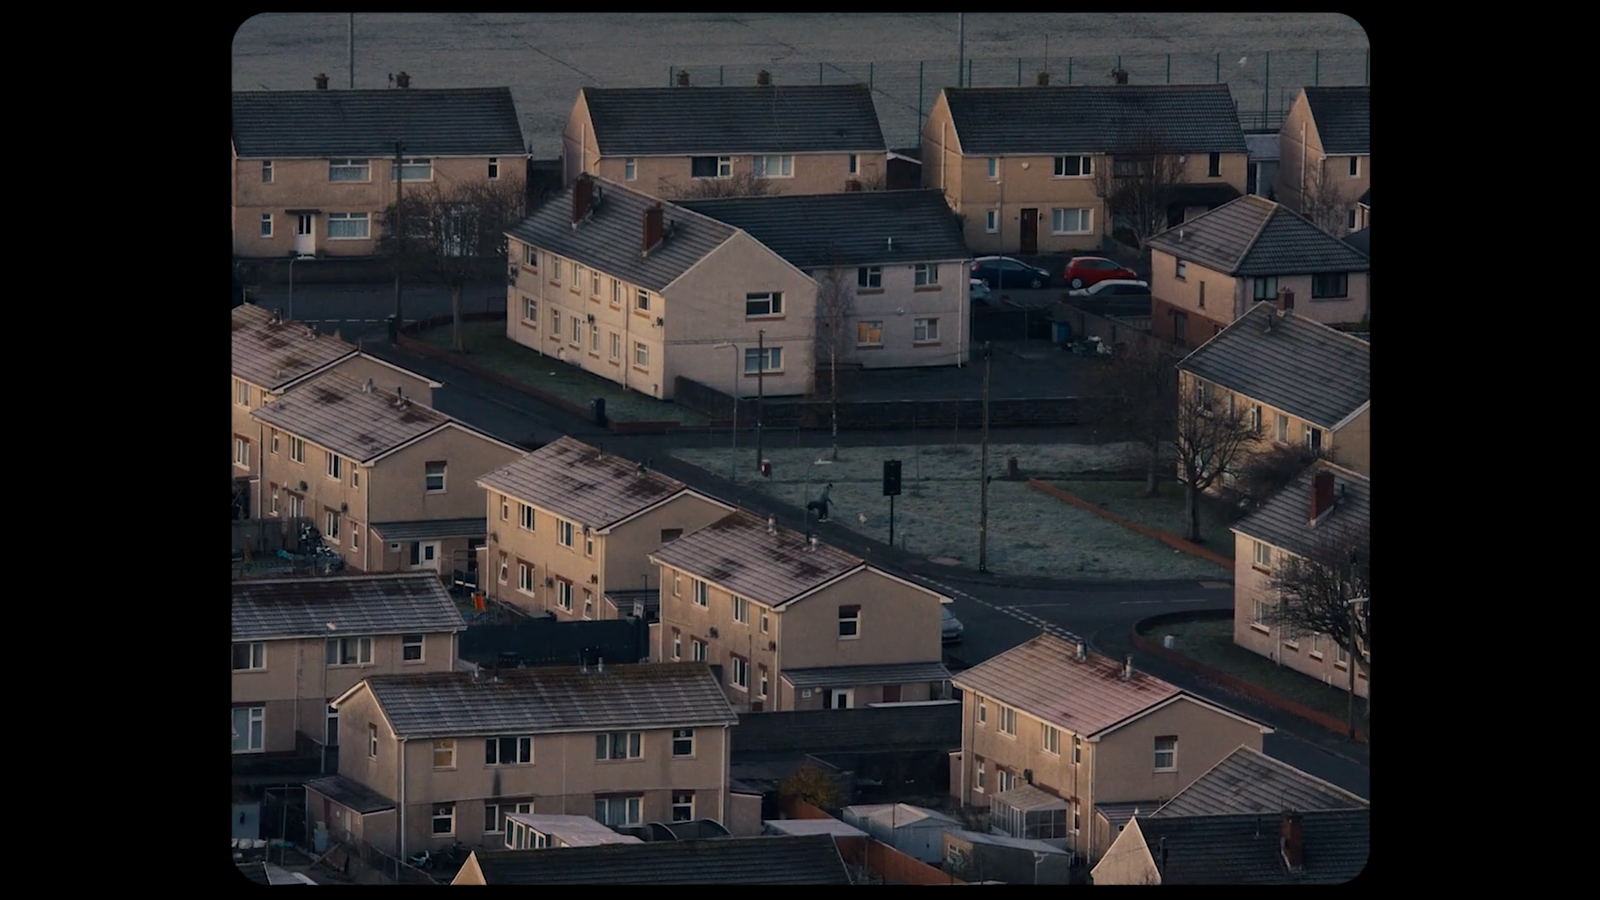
[
  {"x": 1245, "y": 849},
  {"x": 1253, "y": 236},
  {"x": 336, "y": 412},
  {"x": 1191, "y": 118},
  {"x": 831, "y": 118},
  {"x": 1284, "y": 520},
  {"x": 316, "y": 124},
  {"x": 270, "y": 355},
  {"x": 737, "y": 553},
  {"x": 402, "y": 603},
  {"x": 858, "y": 228},
  {"x": 1344, "y": 118},
  {"x": 1249, "y": 781},
  {"x": 576, "y": 481}
]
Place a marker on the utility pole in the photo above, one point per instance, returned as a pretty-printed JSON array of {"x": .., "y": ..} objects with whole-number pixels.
[
  {"x": 761, "y": 371},
  {"x": 961, "y": 46},
  {"x": 983, "y": 496},
  {"x": 400, "y": 244},
  {"x": 351, "y": 47}
]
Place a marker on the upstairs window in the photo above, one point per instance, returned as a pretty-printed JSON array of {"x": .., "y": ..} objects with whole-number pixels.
[
  {"x": 414, "y": 170},
  {"x": 769, "y": 303},
  {"x": 1073, "y": 166},
  {"x": 349, "y": 170}
]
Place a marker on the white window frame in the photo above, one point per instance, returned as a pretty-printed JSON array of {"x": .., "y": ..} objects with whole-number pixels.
[
  {"x": 616, "y": 347},
  {"x": 494, "y": 815},
  {"x": 753, "y": 360},
  {"x": 677, "y": 583},
  {"x": 564, "y": 594},
  {"x": 409, "y": 167},
  {"x": 698, "y": 649},
  {"x": 266, "y": 171},
  {"x": 241, "y": 451},
  {"x": 494, "y": 168},
  {"x": 330, "y": 531},
  {"x": 254, "y": 737},
  {"x": 447, "y": 813},
  {"x": 1260, "y": 611},
  {"x": 632, "y": 810},
  {"x": 925, "y": 330},
  {"x": 1180, "y": 270},
  {"x": 680, "y": 735},
  {"x": 334, "y": 466},
  {"x": 852, "y": 620},
  {"x": 576, "y": 339},
  {"x": 774, "y": 166},
  {"x": 555, "y": 323},
  {"x": 1283, "y": 429},
  {"x": 772, "y": 301},
  {"x": 446, "y": 747},
  {"x": 428, "y": 476},
  {"x": 1355, "y": 167},
  {"x": 594, "y": 339},
  {"x": 410, "y": 642},
  {"x": 340, "y": 647},
  {"x": 266, "y": 225},
  {"x": 255, "y": 656},
  {"x": 555, "y": 269},
  {"x": 1170, "y": 752},
  {"x": 991, "y": 221},
  {"x": 874, "y": 332},
  {"x": 564, "y": 533},
  {"x": 525, "y": 517},
  {"x": 525, "y": 577},
  {"x": 606, "y": 746},
  {"x": 869, "y": 278},
  {"x": 241, "y": 393},
  {"x": 641, "y": 354},
  {"x": 521, "y": 751},
  {"x": 761, "y": 681},
  {"x": 1084, "y": 165},
  {"x": 372, "y": 741},
  {"x": 594, "y": 283},
  {"x": 348, "y": 169},
  {"x": 741, "y": 609},
  {"x": 352, "y": 219},
  {"x": 630, "y": 169},
  {"x": 1083, "y": 220},
  {"x": 677, "y": 644},
  {"x": 505, "y": 567},
  {"x": 925, "y": 275},
  {"x": 297, "y": 450},
  {"x": 764, "y": 622},
  {"x": 682, "y": 809},
  {"x": 702, "y": 593},
  {"x": 739, "y": 673},
  {"x": 978, "y": 784},
  {"x": 992, "y": 167},
  {"x": 641, "y": 300},
  {"x": 1050, "y": 738},
  {"x": 983, "y": 711},
  {"x": 1255, "y": 417},
  {"x": 273, "y": 505},
  {"x": 530, "y": 311},
  {"x": 588, "y": 603},
  {"x": 1005, "y": 720},
  {"x": 1077, "y": 750},
  {"x": 274, "y": 438},
  {"x": 1263, "y": 556}
]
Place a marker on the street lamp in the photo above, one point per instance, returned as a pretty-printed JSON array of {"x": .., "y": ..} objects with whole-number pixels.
[
  {"x": 733, "y": 391},
  {"x": 324, "y": 767},
  {"x": 805, "y": 492}
]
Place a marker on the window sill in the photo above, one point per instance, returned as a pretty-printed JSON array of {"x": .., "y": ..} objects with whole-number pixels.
[
  {"x": 1315, "y": 655},
  {"x": 849, "y": 637},
  {"x": 643, "y": 313},
  {"x": 593, "y": 355},
  {"x": 555, "y": 284},
  {"x": 772, "y": 317},
  {"x": 615, "y": 363},
  {"x": 866, "y": 292},
  {"x": 594, "y": 298},
  {"x": 1260, "y": 629},
  {"x": 412, "y": 662},
  {"x": 349, "y": 238},
  {"x": 641, "y": 371},
  {"x": 770, "y": 373},
  {"x": 526, "y": 324},
  {"x": 1070, "y": 233},
  {"x": 1330, "y": 299},
  {"x": 1292, "y": 648},
  {"x": 925, "y": 343},
  {"x": 927, "y": 289},
  {"x": 1174, "y": 769},
  {"x": 636, "y": 759},
  {"x": 869, "y": 346}
]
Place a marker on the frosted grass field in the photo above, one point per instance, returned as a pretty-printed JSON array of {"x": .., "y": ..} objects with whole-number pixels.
[{"x": 937, "y": 513}]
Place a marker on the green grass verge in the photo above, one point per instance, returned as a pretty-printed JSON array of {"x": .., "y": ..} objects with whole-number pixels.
[
  {"x": 488, "y": 347},
  {"x": 1164, "y": 511}
]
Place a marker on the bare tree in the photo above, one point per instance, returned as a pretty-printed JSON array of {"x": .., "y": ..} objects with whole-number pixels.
[
  {"x": 814, "y": 786},
  {"x": 835, "y": 306},
  {"x": 1321, "y": 203},
  {"x": 1315, "y": 591},
  {"x": 449, "y": 230},
  {"x": 1139, "y": 185},
  {"x": 739, "y": 184},
  {"x": 1211, "y": 439},
  {"x": 1262, "y": 473},
  {"x": 1138, "y": 391}
]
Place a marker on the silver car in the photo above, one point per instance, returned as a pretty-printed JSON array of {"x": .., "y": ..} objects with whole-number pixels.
[{"x": 950, "y": 626}]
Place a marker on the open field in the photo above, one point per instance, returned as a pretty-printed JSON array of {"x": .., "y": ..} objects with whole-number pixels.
[
  {"x": 1164, "y": 511},
  {"x": 937, "y": 513}
]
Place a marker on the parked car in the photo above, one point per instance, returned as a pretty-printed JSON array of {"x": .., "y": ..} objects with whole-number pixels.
[
  {"x": 1118, "y": 287},
  {"x": 1001, "y": 272},
  {"x": 950, "y": 626},
  {"x": 979, "y": 292},
  {"x": 1083, "y": 271}
]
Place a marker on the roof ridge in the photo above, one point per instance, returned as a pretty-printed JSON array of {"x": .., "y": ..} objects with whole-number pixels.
[
  {"x": 652, "y": 200},
  {"x": 1280, "y": 764},
  {"x": 1272, "y": 210}
]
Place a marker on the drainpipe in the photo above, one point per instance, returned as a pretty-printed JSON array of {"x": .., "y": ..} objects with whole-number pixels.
[
  {"x": 966, "y": 751},
  {"x": 1302, "y": 166},
  {"x": 1094, "y": 747},
  {"x": 401, "y": 811},
  {"x": 944, "y": 153},
  {"x": 366, "y": 541},
  {"x": 727, "y": 768}
]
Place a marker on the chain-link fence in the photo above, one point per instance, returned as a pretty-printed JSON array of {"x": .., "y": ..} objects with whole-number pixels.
[{"x": 1264, "y": 84}]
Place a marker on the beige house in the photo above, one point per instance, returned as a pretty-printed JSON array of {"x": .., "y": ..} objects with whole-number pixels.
[
  {"x": 1212, "y": 269},
  {"x": 639, "y": 292},
  {"x": 1020, "y": 165},
  {"x": 1304, "y": 383},
  {"x": 388, "y": 480},
  {"x": 1050, "y": 732},
  {"x": 272, "y": 356},
  {"x": 795, "y": 623},
  {"x": 313, "y": 171},
  {"x": 570, "y": 525},
  {"x": 891, "y": 269},
  {"x": 300, "y": 642},
  {"x": 1323, "y": 509},
  {"x": 454, "y": 753},
  {"x": 1325, "y": 149},
  {"x": 684, "y": 141}
]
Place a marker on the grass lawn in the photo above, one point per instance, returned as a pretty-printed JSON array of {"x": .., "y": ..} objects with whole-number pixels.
[
  {"x": 1164, "y": 510},
  {"x": 1210, "y": 642},
  {"x": 488, "y": 346},
  {"x": 936, "y": 516}
]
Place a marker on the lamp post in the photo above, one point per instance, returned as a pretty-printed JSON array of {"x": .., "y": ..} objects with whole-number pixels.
[
  {"x": 806, "y": 491},
  {"x": 733, "y": 391},
  {"x": 323, "y": 768}
]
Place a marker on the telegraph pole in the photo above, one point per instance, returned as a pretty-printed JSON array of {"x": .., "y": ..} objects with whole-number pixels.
[
  {"x": 961, "y": 46},
  {"x": 761, "y": 371},
  {"x": 983, "y": 496},
  {"x": 351, "y": 47},
  {"x": 400, "y": 245}
]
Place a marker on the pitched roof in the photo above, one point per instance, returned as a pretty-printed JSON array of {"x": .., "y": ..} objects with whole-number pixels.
[
  {"x": 1361, "y": 241},
  {"x": 766, "y": 860},
  {"x": 896, "y": 673},
  {"x": 814, "y": 118},
  {"x": 1189, "y": 118},
  {"x": 896, "y": 814},
  {"x": 1343, "y": 117},
  {"x": 574, "y": 831},
  {"x": 1118, "y": 814},
  {"x": 1366, "y": 197},
  {"x": 431, "y": 529},
  {"x": 1284, "y": 519},
  {"x": 1300, "y": 366},
  {"x": 314, "y": 124},
  {"x": 576, "y": 481},
  {"x": 338, "y": 413},
  {"x": 624, "y": 599},
  {"x": 612, "y": 238},
  {"x": 737, "y": 553},
  {"x": 545, "y": 700},
  {"x": 400, "y": 603},
  {"x": 857, "y": 228},
  {"x": 1004, "y": 840},
  {"x": 1043, "y": 678},
  {"x": 1263, "y": 147},
  {"x": 830, "y": 826},
  {"x": 863, "y": 729},
  {"x": 351, "y": 793},
  {"x": 1245, "y": 849},
  {"x": 1255, "y": 236},
  {"x": 1249, "y": 781},
  {"x": 272, "y": 355}
]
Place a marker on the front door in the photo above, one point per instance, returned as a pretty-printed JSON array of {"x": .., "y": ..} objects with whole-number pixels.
[
  {"x": 305, "y": 234},
  {"x": 840, "y": 699},
  {"x": 330, "y": 735},
  {"x": 425, "y": 555},
  {"x": 1030, "y": 231}
]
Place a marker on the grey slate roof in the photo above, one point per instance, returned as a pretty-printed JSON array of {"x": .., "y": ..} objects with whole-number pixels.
[
  {"x": 1366, "y": 197},
  {"x": 271, "y": 356},
  {"x": 736, "y": 553},
  {"x": 1043, "y": 678},
  {"x": 316, "y": 124},
  {"x": 1188, "y": 118},
  {"x": 336, "y": 412},
  {"x": 623, "y": 601},
  {"x": 401, "y": 603},
  {"x": 546, "y": 700},
  {"x": 1254, "y": 236},
  {"x": 860, "y": 730},
  {"x": 351, "y": 793},
  {"x": 902, "y": 673},
  {"x": 1343, "y": 116},
  {"x": 1244, "y": 849},
  {"x": 1248, "y": 781},
  {"x": 432, "y": 529},
  {"x": 1361, "y": 241},
  {"x": 1118, "y": 814},
  {"x": 857, "y": 228},
  {"x": 710, "y": 121},
  {"x": 576, "y": 481},
  {"x": 766, "y": 860},
  {"x": 612, "y": 239},
  {"x": 1284, "y": 519},
  {"x": 1304, "y": 368}
]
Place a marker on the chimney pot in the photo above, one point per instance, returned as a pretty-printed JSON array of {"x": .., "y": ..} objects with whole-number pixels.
[
  {"x": 582, "y": 197},
  {"x": 1127, "y": 668},
  {"x": 764, "y": 78},
  {"x": 683, "y": 78},
  {"x": 1321, "y": 494},
  {"x": 321, "y": 82},
  {"x": 402, "y": 80},
  {"x": 1044, "y": 79},
  {"x": 1083, "y": 651},
  {"x": 772, "y": 525},
  {"x": 1285, "y": 300},
  {"x": 652, "y": 227},
  {"x": 1290, "y": 840}
]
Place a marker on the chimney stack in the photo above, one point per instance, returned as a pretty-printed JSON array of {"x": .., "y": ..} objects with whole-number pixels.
[
  {"x": 1083, "y": 652},
  {"x": 402, "y": 80},
  {"x": 1321, "y": 494},
  {"x": 1290, "y": 841},
  {"x": 764, "y": 78},
  {"x": 1119, "y": 76},
  {"x": 811, "y": 541},
  {"x": 1044, "y": 79},
  {"x": 582, "y": 197},
  {"x": 772, "y": 525},
  {"x": 1285, "y": 301},
  {"x": 1127, "y": 668},
  {"x": 321, "y": 82},
  {"x": 652, "y": 227},
  {"x": 600, "y": 665},
  {"x": 368, "y": 387},
  {"x": 683, "y": 78}
]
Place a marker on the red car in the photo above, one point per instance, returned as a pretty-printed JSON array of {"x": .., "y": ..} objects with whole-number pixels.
[{"x": 1083, "y": 271}]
